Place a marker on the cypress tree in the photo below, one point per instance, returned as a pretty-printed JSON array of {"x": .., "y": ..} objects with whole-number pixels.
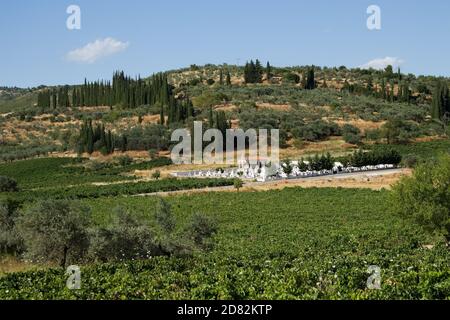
[
  {"x": 228, "y": 78},
  {"x": 310, "y": 81},
  {"x": 161, "y": 115},
  {"x": 441, "y": 101},
  {"x": 210, "y": 118},
  {"x": 124, "y": 143},
  {"x": 258, "y": 72},
  {"x": 221, "y": 77},
  {"x": 268, "y": 71}
]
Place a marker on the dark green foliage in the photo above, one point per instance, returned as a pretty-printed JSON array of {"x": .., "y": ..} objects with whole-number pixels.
[
  {"x": 293, "y": 77},
  {"x": 268, "y": 71},
  {"x": 126, "y": 238},
  {"x": 398, "y": 131},
  {"x": 381, "y": 155},
  {"x": 317, "y": 163},
  {"x": 95, "y": 139},
  {"x": 221, "y": 77},
  {"x": 441, "y": 101},
  {"x": 156, "y": 175},
  {"x": 351, "y": 134},
  {"x": 55, "y": 231},
  {"x": 228, "y": 81},
  {"x": 115, "y": 190},
  {"x": 164, "y": 216},
  {"x": 178, "y": 111},
  {"x": 124, "y": 160},
  {"x": 310, "y": 79},
  {"x": 200, "y": 228},
  {"x": 425, "y": 196},
  {"x": 317, "y": 130},
  {"x": 8, "y": 185},
  {"x": 10, "y": 240},
  {"x": 146, "y": 137},
  {"x": 125, "y": 91},
  {"x": 253, "y": 72},
  {"x": 238, "y": 184},
  {"x": 62, "y": 172}
]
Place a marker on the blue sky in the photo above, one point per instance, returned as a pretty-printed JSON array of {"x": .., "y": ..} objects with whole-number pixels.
[{"x": 145, "y": 36}]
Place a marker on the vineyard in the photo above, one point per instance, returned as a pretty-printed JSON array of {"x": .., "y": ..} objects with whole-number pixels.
[
  {"x": 289, "y": 244},
  {"x": 120, "y": 189},
  {"x": 58, "y": 172}
]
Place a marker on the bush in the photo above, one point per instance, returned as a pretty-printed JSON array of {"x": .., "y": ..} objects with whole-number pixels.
[
  {"x": 156, "y": 175},
  {"x": 352, "y": 138},
  {"x": 164, "y": 216},
  {"x": 55, "y": 231},
  {"x": 349, "y": 129},
  {"x": 238, "y": 184},
  {"x": 8, "y": 185},
  {"x": 293, "y": 77},
  {"x": 209, "y": 99},
  {"x": 10, "y": 240},
  {"x": 317, "y": 130},
  {"x": 410, "y": 161},
  {"x": 425, "y": 196},
  {"x": 373, "y": 135},
  {"x": 126, "y": 238},
  {"x": 124, "y": 160},
  {"x": 201, "y": 228}
]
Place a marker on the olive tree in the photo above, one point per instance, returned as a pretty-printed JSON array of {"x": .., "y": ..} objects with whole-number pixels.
[
  {"x": 55, "y": 231},
  {"x": 126, "y": 238},
  {"x": 10, "y": 239}
]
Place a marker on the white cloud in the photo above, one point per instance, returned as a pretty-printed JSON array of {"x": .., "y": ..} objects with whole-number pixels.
[
  {"x": 95, "y": 50},
  {"x": 382, "y": 63}
]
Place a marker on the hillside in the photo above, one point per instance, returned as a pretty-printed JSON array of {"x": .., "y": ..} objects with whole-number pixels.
[{"x": 346, "y": 109}]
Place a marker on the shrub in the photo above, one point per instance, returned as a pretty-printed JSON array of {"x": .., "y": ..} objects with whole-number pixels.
[
  {"x": 156, "y": 175},
  {"x": 126, "y": 238},
  {"x": 373, "y": 135},
  {"x": 209, "y": 99},
  {"x": 410, "y": 161},
  {"x": 398, "y": 131},
  {"x": 164, "y": 216},
  {"x": 8, "y": 185},
  {"x": 425, "y": 196},
  {"x": 293, "y": 77},
  {"x": 352, "y": 138},
  {"x": 201, "y": 228},
  {"x": 55, "y": 231},
  {"x": 152, "y": 153},
  {"x": 349, "y": 129},
  {"x": 124, "y": 160},
  {"x": 10, "y": 240},
  {"x": 317, "y": 130},
  {"x": 238, "y": 184}
]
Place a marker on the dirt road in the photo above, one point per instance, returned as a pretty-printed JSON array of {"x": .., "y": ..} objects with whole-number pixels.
[{"x": 375, "y": 180}]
